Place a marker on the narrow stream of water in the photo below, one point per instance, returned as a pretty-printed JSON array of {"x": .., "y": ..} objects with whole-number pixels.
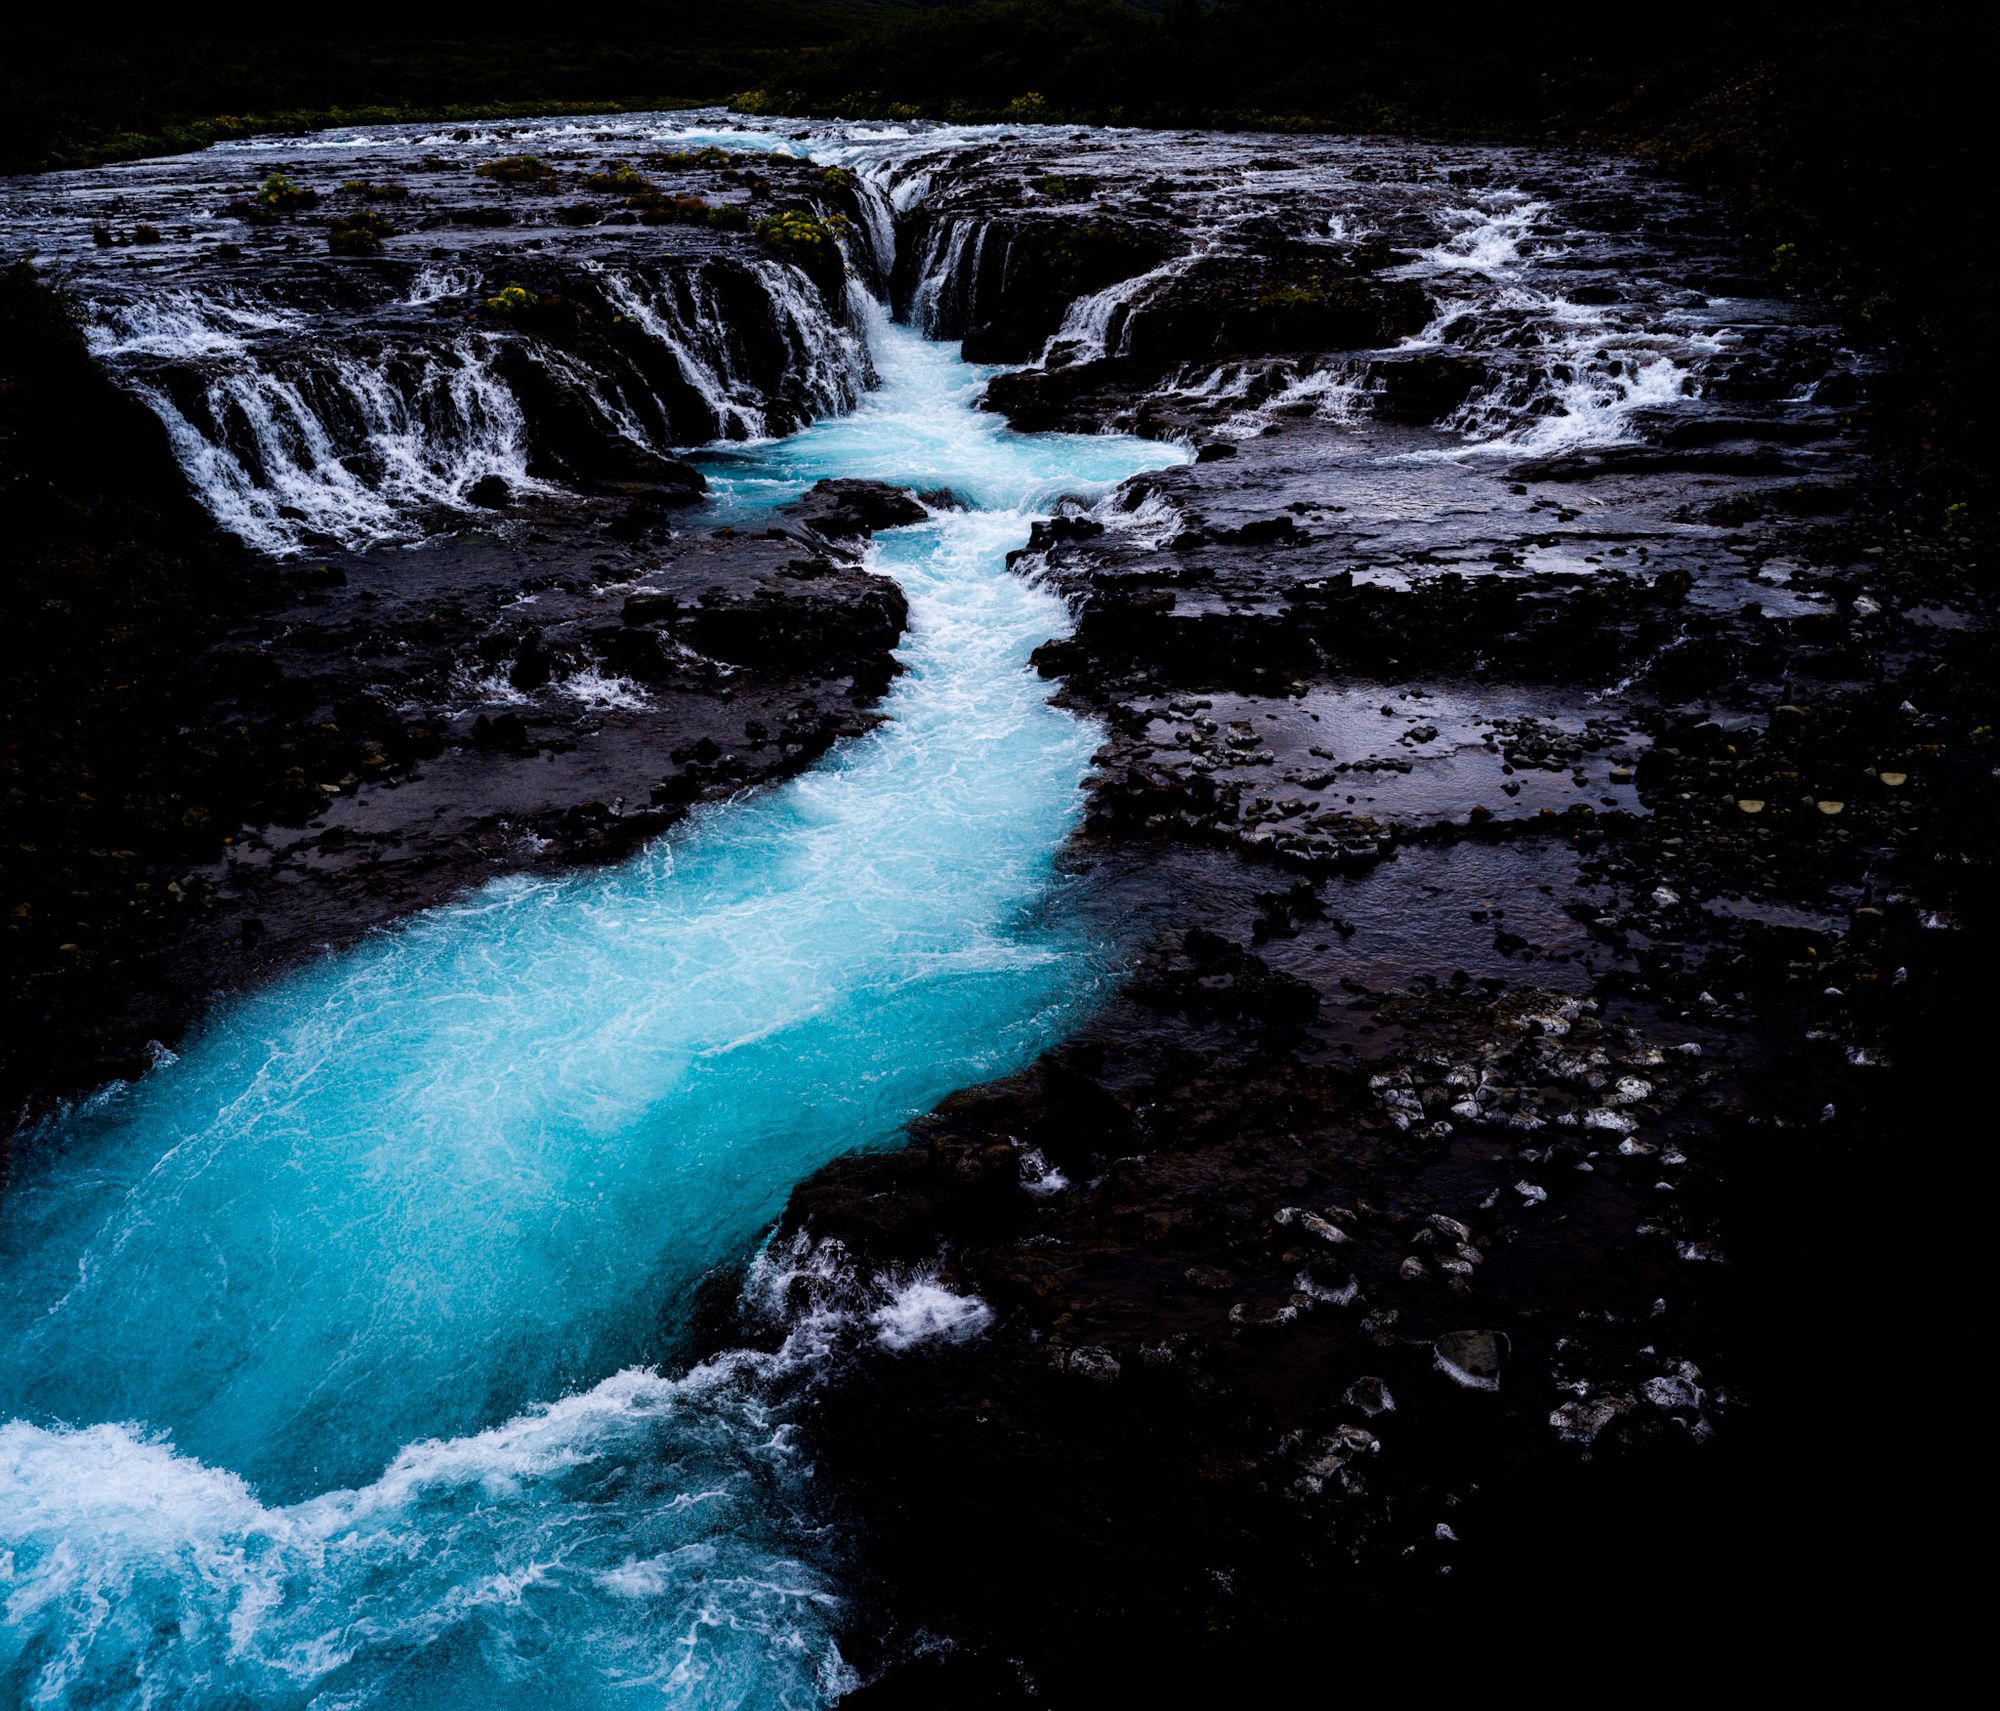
[{"x": 336, "y": 1353}]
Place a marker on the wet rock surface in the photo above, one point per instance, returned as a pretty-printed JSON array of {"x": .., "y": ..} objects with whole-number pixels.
[
  {"x": 517, "y": 327},
  {"x": 1546, "y": 800},
  {"x": 391, "y": 730}
]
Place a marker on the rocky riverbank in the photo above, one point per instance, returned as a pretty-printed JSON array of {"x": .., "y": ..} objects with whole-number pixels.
[{"x": 1556, "y": 875}]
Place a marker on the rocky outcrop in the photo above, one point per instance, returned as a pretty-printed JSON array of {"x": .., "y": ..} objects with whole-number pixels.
[
  {"x": 1002, "y": 281},
  {"x": 844, "y": 508}
]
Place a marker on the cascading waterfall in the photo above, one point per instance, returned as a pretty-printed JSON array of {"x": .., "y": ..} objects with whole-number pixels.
[
  {"x": 1094, "y": 327},
  {"x": 942, "y": 281},
  {"x": 292, "y": 440},
  {"x": 1581, "y": 372},
  {"x": 340, "y": 1353},
  {"x": 347, "y": 447},
  {"x": 826, "y": 367}
]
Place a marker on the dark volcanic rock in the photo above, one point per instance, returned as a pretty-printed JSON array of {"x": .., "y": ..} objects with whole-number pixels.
[
  {"x": 842, "y": 509},
  {"x": 1507, "y": 800}
]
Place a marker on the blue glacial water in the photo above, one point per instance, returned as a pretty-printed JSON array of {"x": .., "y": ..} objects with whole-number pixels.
[{"x": 340, "y": 1357}]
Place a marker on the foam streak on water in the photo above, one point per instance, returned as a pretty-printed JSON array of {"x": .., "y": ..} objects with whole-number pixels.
[{"x": 340, "y": 1355}]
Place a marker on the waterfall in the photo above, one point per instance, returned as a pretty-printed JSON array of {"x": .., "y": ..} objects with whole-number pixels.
[
  {"x": 351, "y": 446},
  {"x": 939, "y": 305},
  {"x": 363, "y": 430}
]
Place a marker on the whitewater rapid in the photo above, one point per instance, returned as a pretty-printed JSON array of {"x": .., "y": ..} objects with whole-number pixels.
[{"x": 342, "y": 1357}]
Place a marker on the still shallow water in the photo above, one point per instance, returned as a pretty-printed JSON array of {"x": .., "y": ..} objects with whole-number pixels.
[{"x": 335, "y": 1352}]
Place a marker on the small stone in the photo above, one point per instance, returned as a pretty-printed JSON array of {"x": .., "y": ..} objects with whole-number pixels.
[
  {"x": 1332, "y": 1234},
  {"x": 1210, "y": 1277},
  {"x": 1471, "y": 1359},
  {"x": 1750, "y": 804},
  {"x": 1092, "y": 1362},
  {"x": 1580, "y": 1422},
  {"x": 1328, "y": 1283},
  {"x": 1830, "y": 807},
  {"x": 1370, "y": 1395},
  {"x": 1895, "y": 780},
  {"x": 1668, "y": 1394}
]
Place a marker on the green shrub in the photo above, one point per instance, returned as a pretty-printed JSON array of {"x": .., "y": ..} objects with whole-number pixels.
[
  {"x": 510, "y": 302},
  {"x": 795, "y": 229},
  {"x": 682, "y": 159},
  {"x": 280, "y": 195},
  {"x": 617, "y": 176}
]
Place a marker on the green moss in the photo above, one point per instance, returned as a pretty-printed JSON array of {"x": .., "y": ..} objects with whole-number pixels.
[
  {"x": 375, "y": 192},
  {"x": 515, "y": 169},
  {"x": 655, "y": 209},
  {"x": 619, "y": 177},
  {"x": 1314, "y": 290},
  {"x": 795, "y": 229},
  {"x": 680, "y": 160},
  {"x": 361, "y": 234},
  {"x": 511, "y": 302}
]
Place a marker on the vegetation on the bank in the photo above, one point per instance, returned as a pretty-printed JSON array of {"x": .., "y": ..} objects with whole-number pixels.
[
  {"x": 617, "y": 176},
  {"x": 281, "y": 195},
  {"x": 794, "y": 229}
]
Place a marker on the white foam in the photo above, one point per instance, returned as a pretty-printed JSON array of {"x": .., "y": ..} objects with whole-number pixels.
[{"x": 923, "y": 1310}]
